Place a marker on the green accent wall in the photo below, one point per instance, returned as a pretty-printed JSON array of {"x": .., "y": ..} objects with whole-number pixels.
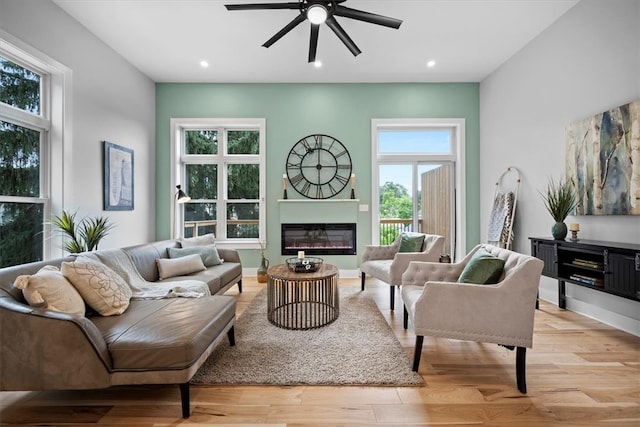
[{"x": 295, "y": 110}]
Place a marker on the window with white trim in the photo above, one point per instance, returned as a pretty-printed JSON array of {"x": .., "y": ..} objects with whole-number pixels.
[
  {"x": 220, "y": 165},
  {"x": 24, "y": 142}
]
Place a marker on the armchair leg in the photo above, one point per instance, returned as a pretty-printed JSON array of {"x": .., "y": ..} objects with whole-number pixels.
[
  {"x": 405, "y": 317},
  {"x": 417, "y": 352},
  {"x": 240, "y": 286},
  {"x": 393, "y": 296},
  {"x": 362, "y": 281},
  {"x": 521, "y": 360},
  {"x": 184, "y": 396}
]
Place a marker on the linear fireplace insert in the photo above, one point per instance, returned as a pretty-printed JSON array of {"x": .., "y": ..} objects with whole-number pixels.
[{"x": 318, "y": 239}]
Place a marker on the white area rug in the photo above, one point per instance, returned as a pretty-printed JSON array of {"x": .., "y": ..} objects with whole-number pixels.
[{"x": 359, "y": 348}]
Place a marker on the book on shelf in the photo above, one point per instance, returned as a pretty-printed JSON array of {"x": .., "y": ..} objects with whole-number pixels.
[
  {"x": 587, "y": 280},
  {"x": 587, "y": 263}
]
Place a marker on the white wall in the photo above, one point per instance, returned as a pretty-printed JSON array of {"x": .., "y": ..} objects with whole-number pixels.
[
  {"x": 110, "y": 100},
  {"x": 586, "y": 62}
]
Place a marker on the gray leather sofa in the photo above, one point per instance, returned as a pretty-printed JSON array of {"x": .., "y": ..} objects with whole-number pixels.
[{"x": 155, "y": 341}]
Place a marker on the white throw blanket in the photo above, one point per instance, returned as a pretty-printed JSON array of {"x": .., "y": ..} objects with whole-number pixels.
[{"x": 119, "y": 261}]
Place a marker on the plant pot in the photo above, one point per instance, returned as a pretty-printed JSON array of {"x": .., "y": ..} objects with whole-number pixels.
[
  {"x": 559, "y": 230},
  {"x": 262, "y": 270}
]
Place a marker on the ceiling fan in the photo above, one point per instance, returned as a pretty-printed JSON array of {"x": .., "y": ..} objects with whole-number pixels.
[{"x": 318, "y": 12}]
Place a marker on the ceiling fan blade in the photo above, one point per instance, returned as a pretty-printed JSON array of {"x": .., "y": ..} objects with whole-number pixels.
[
  {"x": 262, "y": 6},
  {"x": 342, "y": 35},
  {"x": 313, "y": 42},
  {"x": 290, "y": 26},
  {"x": 372, "y": 18}
]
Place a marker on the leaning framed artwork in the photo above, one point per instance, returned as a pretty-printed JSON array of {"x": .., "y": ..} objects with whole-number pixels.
[
  {"x": 118, "y": 177},
  {"x": 603, "y": 161}
]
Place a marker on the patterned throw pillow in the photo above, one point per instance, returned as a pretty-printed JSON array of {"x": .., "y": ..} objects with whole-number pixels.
[
  {"x": 50, "y": 290},
  {"x": 100, "y": 287}
]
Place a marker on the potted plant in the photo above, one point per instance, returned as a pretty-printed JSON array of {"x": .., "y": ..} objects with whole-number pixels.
[
  {"x": 84, "y": 235},
  {"x": 559, "y": 199}
]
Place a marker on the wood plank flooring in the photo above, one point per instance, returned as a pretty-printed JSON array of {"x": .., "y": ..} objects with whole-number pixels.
[{"x": 579, "y": 373}]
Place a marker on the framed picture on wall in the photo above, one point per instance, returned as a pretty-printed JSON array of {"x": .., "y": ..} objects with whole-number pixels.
[
  {"x": 600, "y": 162},
  {"x": 118, "y": 177}
]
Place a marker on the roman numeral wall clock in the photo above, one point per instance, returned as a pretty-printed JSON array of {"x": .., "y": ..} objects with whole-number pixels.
[{"x": 318, "y": 166}]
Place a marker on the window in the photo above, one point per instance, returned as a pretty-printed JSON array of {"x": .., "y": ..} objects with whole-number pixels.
[
  {"x": 220, "y": 164},
  {"x": 23, "y": 135},
  {"x": 31, "y": 128},
  {"x": 418, "y": 167}
]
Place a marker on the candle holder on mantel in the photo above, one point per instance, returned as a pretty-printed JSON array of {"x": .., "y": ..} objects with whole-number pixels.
[{"x": 353, "y": 193}]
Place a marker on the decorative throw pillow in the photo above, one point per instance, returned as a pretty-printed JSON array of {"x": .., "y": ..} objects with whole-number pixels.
[
  {"x": 482, "y": 269},
  {"x": 207, "y": 239},
  {"x": 411, "y": 242},
  {"x": 171, "y": 267},
  {"x": 50, "y": 290},
  {"x": 100, "y": 287},
  {"x": 208, "y": 253}
]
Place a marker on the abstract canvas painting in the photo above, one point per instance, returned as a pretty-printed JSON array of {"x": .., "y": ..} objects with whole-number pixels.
[
  {"x": 118, "y": 178},
  {"x": 603, "y": 161}
]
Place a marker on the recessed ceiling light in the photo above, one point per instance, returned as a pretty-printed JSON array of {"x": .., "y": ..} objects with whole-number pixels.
[
  {"x": 204, "y": 64},
  {"x": 431, "y": 63},
  {"x": 317, "y": 64}
]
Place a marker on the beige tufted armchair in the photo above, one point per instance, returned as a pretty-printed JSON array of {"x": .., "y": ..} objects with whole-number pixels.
[
  {"x": 384, "y": 262},
  {"x": 502, "y": 313}
]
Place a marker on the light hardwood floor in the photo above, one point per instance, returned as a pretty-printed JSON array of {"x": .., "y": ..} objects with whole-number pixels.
[{"x": 579, "y": 373}]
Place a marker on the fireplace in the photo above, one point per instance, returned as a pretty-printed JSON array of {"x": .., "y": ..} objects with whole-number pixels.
[{"x": 318, "y": 239}]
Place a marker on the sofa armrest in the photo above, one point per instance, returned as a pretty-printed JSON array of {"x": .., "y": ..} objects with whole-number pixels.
[
  {"x": 229, "y": 255},
  {"x": 47, "y": 350}
]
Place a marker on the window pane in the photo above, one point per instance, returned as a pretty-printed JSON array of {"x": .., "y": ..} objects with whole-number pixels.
[
  {"x": 19, "y": 161},
  {"x": 396, "y": 203},
  {"x": 414, "y": 141},
  {"x": 21, "y": 228},
  {"x": 19, "y": 87},
  {"x": 243, "y": 181},
  {"x": 243, "y": 141},
  {"x": 242, "y": 220},
  {"x": 201, "y": 142},
  {"x": 202, "y": 181},
  {"x": 199, "y": 219}
]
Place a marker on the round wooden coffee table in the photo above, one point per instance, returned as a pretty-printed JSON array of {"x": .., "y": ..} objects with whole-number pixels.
[{"x": 302, "y": 300}]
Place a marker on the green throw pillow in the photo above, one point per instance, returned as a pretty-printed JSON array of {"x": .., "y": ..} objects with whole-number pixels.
[
  {"x": 208, "y": 253},
  {"x": 482, "y": 269},
  {"x": 411, "y": 242}
]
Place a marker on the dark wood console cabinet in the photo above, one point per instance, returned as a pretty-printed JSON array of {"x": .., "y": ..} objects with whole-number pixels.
[{"x": 608, "y": 267}]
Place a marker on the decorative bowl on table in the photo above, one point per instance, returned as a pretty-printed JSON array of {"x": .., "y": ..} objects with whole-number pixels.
[{"x": 304, "y": 265}]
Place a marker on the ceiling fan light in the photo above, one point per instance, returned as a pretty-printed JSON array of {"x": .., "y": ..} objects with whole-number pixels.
[{"x": 317, "y": 14}]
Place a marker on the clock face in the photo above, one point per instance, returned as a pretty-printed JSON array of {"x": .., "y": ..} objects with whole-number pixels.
[{"x": 318, "y": 166}]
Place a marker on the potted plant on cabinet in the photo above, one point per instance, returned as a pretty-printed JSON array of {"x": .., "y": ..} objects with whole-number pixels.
[{"x": 559, "y": 199}]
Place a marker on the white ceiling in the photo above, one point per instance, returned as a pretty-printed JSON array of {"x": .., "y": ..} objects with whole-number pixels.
[{"x": 167, "y": 39}]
